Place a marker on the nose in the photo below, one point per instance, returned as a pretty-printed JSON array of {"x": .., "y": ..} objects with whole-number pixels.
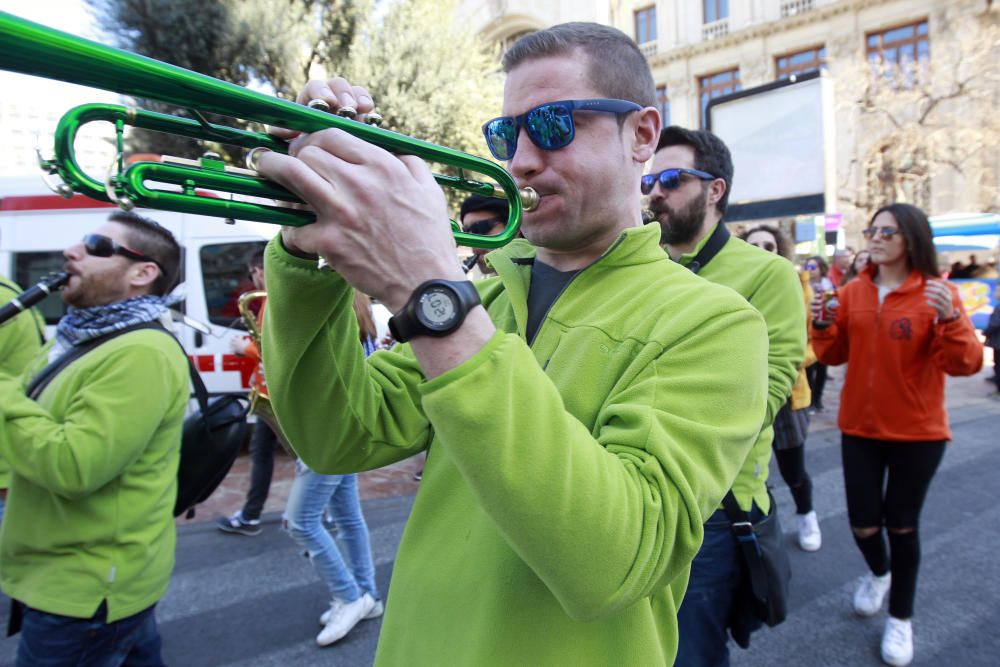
[
  {"x": 74, "y": 252},
  {"x": 528, "y": 159}
]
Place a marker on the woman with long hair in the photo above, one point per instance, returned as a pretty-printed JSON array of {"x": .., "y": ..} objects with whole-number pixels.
[
  {"x": 818, "y": 269},
  {"x": 354, "y": 596},
  {"x": 791, "y": 424},
  {"x": 901, "y": 330},
  {"x": 856, "y": 268}
]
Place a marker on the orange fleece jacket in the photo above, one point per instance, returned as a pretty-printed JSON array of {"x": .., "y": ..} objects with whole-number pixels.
[{"x": 897, "y": 355}]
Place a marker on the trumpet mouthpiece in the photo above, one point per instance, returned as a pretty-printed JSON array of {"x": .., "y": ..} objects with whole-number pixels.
[{"x": 529, "y": 199}]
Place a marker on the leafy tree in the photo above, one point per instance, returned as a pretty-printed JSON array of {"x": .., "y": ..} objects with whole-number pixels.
[
  {"x": 431, "y": 78},
  {"x": 266, "y": 44}
]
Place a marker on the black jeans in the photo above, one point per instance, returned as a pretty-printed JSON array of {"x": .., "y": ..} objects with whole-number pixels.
[
  {"x": 262, "y": 444},
  {"x": 873, "y": 501}
]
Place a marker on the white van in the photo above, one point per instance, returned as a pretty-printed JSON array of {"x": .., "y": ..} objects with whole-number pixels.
[{"x": 36, "y": 225}]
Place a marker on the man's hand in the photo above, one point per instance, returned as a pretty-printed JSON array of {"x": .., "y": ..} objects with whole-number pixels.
[
  {"x": 382, "y": 220},
  {"x": 939, "y": 298},
  {"x": 239, "y": 344}
]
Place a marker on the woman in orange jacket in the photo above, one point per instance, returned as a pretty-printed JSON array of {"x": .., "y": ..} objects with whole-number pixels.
[{"x": 901, "y": 329}]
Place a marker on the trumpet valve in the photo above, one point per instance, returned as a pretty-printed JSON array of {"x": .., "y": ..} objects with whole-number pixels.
[
  {"x": 252, "y": 156},
  {"x": 319, "y": 105},
  {"x": 373, "y": 118},
  {"x": 347, "y": 112}
]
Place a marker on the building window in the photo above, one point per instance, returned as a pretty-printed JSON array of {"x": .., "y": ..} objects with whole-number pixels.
[
  {"x": 715, "y": 10},
  {"x": 663, "y": 104},
  {"x": 904, "y": 44},
  {"x": 645, "y": 25},
  {"x": 801, "y": 62},
  {"x": 716, "y": 85}
]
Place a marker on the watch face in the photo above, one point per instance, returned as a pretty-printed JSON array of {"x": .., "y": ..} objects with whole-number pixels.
[{"x": 437, "y": 309}]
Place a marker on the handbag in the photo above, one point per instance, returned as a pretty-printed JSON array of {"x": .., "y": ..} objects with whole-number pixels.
[
  {"x": 762, "y": 594},
  {"x": 212, "y": 436}
]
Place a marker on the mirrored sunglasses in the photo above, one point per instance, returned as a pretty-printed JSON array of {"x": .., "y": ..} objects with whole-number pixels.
[
  {"x": 884, "y": 233},
  {"x": 549, "y": 126},
  {"x": 670, "y": 179},
  {"x": 99, "y": 245}
]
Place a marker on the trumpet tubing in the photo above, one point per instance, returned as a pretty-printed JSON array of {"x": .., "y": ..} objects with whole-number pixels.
[{"x": 33, "y": 49}]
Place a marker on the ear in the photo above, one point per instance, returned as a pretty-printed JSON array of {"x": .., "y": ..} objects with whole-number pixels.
[
  {"x": 716, "y": 191},
  {"x": 645, "y": 134},
  {"x": 142, "y": 276}
]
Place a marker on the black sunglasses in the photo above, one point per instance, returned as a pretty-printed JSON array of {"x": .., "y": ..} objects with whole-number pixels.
[
  {"x": 483, "y": 227},
  {"x": 99, "y": 245},
  {"x": 670, "y": 179},
  {"x": 765, "y": 245}
]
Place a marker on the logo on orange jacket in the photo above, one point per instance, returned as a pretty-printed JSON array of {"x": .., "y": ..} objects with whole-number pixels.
[{"x": 901, "y": 329}]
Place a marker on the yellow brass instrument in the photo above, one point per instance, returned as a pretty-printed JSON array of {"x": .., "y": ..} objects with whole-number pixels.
[
  {"x": 260, "y": 402},
  {"x": 30, "y": 48}
]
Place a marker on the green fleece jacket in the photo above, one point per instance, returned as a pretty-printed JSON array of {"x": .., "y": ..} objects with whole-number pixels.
[
  {"x": 771, "y": 285},
  {"x": 94, "y": 460},
  {"x": 19, "y": 343},
  {"x": 566, "y": 483}
]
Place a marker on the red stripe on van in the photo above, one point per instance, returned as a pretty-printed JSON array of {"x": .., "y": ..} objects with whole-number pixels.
[
  {"x": 49, "y": 202},
  {"x": 205, "y": 363},
  {"x": 245, "y": 365}
]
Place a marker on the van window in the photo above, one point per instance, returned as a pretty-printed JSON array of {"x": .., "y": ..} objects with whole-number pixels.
[
  {"x": 224, "y": 273},
  {"x": 29, "y": 268}
]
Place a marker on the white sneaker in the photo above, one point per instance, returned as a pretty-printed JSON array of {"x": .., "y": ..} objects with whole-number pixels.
[
  {"x": 343, "y": 617},
  {"x": 870, "y": 593},
  {"x": 897, "y": 642},
  {"x": 810, "y": 538},
  {"x": 376, "y": 611}
]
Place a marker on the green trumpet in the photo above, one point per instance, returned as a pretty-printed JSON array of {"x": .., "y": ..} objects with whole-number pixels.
[{"x": 33, "y": 49}]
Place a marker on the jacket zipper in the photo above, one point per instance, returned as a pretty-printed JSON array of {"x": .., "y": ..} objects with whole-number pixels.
[{"x": 545, "y": 316}]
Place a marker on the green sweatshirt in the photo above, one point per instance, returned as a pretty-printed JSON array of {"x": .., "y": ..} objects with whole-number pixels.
[
  {"x": 771, "y": 285},
  {"x": 94, "y": 460},
  {"x": 566, "y": 483},
  {"x": 19, "y": 343}
]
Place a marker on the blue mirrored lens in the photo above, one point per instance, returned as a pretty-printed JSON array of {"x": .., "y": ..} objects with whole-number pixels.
[
  {"x": 501, "y": 135},
  {"x": 550, "y": 126},
  {"x": 669, "y": 179}
]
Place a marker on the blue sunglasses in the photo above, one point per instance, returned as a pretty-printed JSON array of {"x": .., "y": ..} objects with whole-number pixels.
[
  {"x": 670, "y": 179},
  {"x": 549, "y": 126}
]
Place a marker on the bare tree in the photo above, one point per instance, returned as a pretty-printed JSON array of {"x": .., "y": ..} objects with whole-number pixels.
[{"x": 926, "y": 130}]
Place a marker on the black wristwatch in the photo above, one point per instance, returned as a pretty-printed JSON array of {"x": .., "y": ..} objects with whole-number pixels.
[{"x": 436, "y": 308}]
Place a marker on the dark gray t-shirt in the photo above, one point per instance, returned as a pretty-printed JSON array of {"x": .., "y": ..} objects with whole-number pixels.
[{"x": 546, "y": 285}]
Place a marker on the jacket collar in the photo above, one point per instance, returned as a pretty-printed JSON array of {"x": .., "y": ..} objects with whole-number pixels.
[{"x": 913, "y": 281}]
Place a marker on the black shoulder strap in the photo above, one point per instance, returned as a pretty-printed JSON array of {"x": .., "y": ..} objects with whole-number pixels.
[
  {"x": 746, "y": 536},
  {"x": 41, "y": 332},
  {"x": 711, "y": 248},
  {"x": 42, "y": 380}
]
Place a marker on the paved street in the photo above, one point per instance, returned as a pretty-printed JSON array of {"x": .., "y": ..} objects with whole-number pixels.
[{"x": 255, "y": 601}]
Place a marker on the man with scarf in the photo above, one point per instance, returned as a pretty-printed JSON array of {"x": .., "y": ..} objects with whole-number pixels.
[{"x": 87, "y": 546}]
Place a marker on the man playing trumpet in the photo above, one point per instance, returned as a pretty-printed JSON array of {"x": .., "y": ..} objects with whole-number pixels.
[{"x": 557, "y": 520}]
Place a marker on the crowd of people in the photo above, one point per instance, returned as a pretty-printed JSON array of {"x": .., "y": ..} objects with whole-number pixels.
[{"x": 638, "y": 377}]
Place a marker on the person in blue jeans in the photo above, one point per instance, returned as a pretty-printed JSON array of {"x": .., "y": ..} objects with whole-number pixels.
[{"x": 354, "y": 596}]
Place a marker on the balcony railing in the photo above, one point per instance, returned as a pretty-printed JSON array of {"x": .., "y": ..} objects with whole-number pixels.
[
  {"x": 794, "y": 7},
  {"x": 648, "y": 49},
  {"x": 715, "y": 29}
]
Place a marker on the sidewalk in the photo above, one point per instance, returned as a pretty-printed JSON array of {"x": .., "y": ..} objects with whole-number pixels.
[{"x": 387, "y": 482}]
